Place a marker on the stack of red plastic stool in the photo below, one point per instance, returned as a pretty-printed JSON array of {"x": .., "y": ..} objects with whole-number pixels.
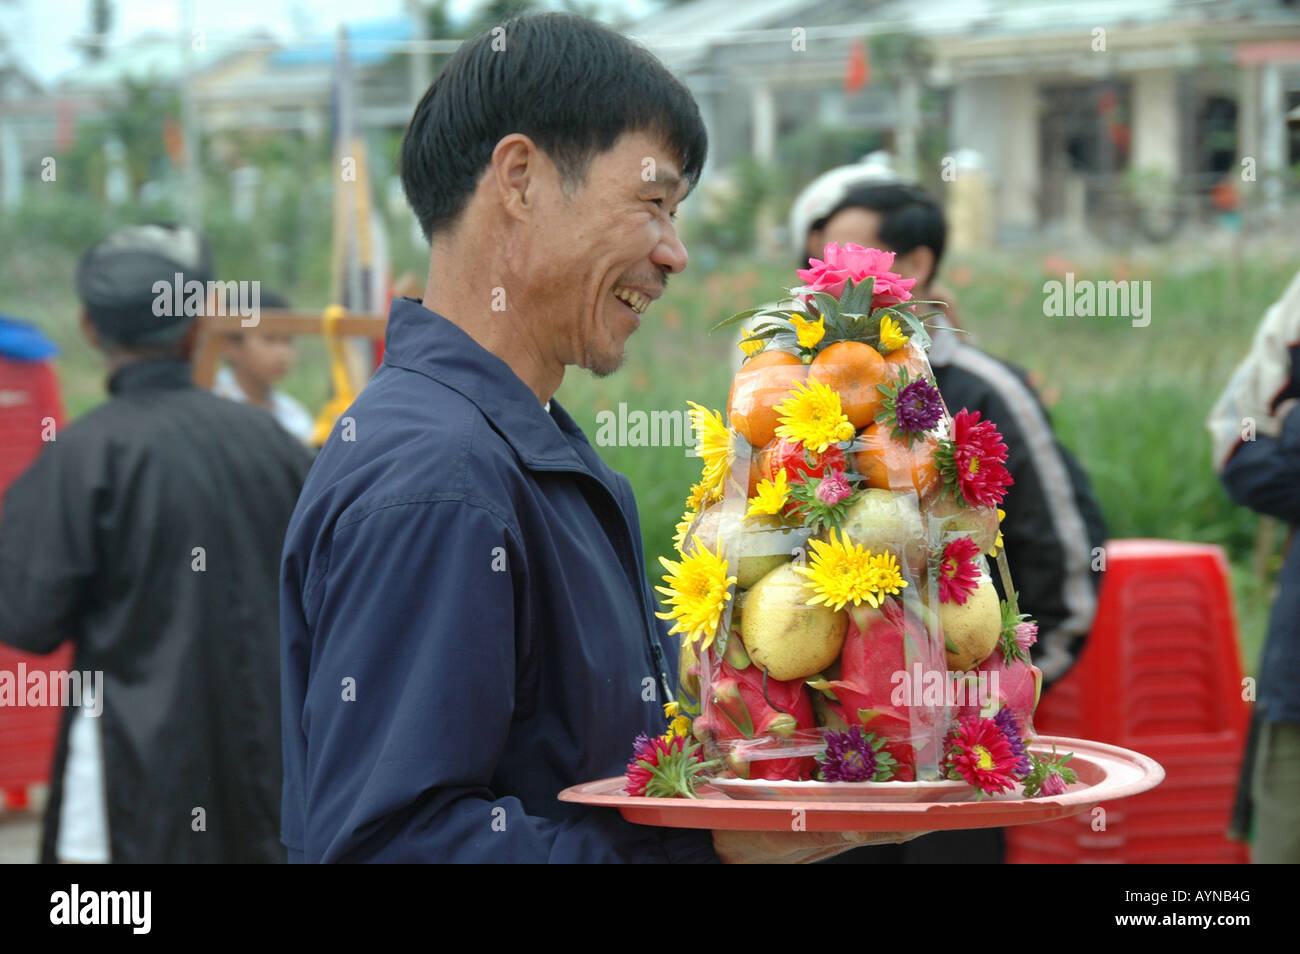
[
  {"x": 1161, "y": 674},
  {"x": 29, "y": 399}
]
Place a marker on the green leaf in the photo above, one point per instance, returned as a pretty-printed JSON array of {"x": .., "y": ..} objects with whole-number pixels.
[
  {"x": 739, "y": 316},
  {"x": 918, "y": 328},
  {"x": 856, "y": 299},
  {"x": 828, "y": 306}
]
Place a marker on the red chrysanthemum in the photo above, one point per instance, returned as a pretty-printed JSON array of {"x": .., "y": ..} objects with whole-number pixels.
[
  {"x": 972, "y": 460},
  {"x": 979, "y": 754},
  {"x": 958, "y": 573}
]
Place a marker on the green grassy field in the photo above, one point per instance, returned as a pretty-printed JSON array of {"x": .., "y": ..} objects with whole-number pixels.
[{"x": 1129, "y": 402}]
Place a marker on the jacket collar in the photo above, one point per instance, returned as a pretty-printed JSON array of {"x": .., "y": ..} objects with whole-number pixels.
[
  {"x": 151, "y": 374},
  {"x": 423, "y": 341}
]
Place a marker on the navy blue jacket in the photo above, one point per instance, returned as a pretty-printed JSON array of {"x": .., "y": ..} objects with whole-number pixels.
[
  {"x": 466, "y": 625},
  {"x": 1264, "y": 475}
]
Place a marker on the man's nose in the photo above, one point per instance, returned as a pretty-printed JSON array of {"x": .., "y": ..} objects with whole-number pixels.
[{"x": 670, "y": 253}]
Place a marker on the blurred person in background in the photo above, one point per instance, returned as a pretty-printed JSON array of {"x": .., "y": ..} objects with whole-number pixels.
[
  {"x": 149, "y": 534},
  {"x": 1053, "y": 520},
  {"x": 255, "y": 361},
  {"x": 1255, "y": 429}
]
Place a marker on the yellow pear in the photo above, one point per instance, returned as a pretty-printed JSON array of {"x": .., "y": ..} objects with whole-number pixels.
[
  {"x": 888, "y": 521},
  {"x": 783, "y": 634},
  {"x": 978, "y": 523},
  {"x": 971, "y": 629},
  {"x": 765, "y": 542}
]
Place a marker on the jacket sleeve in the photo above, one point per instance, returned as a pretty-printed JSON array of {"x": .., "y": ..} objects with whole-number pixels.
[
  {"x": 47, "y": 550},
  {"x": 1052, "y": 530},
  {"x": 419, "y": 614},
  {"x": 1264, "y": 474}
]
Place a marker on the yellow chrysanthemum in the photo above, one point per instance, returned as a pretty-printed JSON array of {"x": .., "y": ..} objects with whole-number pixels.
[
  {"x": 997, "y": 544},
  {"x": 712, "y": 443},
  {"x": 770, "y": 496},
  {"x": 891, "y": 335},
  {"x": 887, "y": 575},
  {"x": 840, "y": 572},
  {"x": 751, "y": 345},
  {"x": 813, "y": 415},
  {"x": 679, "y": 532},
  {"x": 698, "y": 590},
  {"x": 807, "y": 331},
  {"x": 679, "y": 724}
]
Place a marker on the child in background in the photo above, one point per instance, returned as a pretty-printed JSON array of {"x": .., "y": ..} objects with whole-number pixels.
[{"x": 255, "y": 361}]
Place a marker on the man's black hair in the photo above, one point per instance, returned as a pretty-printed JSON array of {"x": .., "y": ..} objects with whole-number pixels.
[
  {"x": 909, "y": 218},
  {"x": 571, "y": 85}
]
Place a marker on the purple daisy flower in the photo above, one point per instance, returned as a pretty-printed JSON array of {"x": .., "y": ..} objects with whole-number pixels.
[
  {"x": 1007, "y": 722},
  {"x": 918, "y": 407},
  {"x": 849, "y": 757}
]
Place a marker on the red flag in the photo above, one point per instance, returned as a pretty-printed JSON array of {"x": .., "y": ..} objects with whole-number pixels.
[
  {"x": 173, "y": 141},
  {"x": 858, "y": 73}
]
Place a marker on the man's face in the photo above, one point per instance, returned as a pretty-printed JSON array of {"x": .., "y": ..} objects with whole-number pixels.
[
  {"x": 862, "y": 227},
  {"x": 264, "y": 357},
  {"x": 599, "y": 256}
]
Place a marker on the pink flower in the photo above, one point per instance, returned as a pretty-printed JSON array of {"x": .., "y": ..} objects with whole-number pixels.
[
  {"x": 1026, "y": 635},
  {"x": 1052, "y": 785},
  {"x": 833, "y": 488},
  {"x": 830, "y": 273}
]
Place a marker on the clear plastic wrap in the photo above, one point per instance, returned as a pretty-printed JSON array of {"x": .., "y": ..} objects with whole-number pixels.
[{"x": 839, "y": 536}]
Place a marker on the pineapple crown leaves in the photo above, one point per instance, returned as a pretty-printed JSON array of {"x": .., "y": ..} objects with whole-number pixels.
[
  {"x": 678, "y": 773},
  {"x": 1043, "y": 766},
  {"x": 1011, "y": 650},
  {"x": 847, "y": 318},
  {"x": 815, "y": 513}
]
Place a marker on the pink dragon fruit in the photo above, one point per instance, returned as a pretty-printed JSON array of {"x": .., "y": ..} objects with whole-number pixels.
[
  {"x": 736, "y": 708},
  {"x": 865, "y": 692}
]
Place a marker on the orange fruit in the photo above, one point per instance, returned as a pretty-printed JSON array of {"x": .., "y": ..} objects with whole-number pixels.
[
  {"x": 909, "y": 355},
  {"x": 762, "y": 382},
  {"x": 890, "y": 464},
  {"x": 852, "y": 369}
]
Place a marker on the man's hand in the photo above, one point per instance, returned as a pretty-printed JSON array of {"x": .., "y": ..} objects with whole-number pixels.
[{"x": 798, "y": 847}]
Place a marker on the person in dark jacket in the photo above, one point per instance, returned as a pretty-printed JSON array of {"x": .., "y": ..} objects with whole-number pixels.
[
  {"x": 1054, "y": 528},
  {"x": 148, "y": 533},
  {"x": 1255, "y": 427},
  {"x": 467, "y": 627}
]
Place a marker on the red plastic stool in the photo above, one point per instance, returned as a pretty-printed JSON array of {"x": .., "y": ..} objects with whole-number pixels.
[
  {"x": 29, "y": 395},
  {"x": 1160, "y": 673}
]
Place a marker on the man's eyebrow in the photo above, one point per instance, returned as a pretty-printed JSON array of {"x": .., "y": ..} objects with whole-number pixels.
[{"x": 671, "y": 181}]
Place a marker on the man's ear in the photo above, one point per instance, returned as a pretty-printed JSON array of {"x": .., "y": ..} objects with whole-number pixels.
[{"x": 513, "y": 172}]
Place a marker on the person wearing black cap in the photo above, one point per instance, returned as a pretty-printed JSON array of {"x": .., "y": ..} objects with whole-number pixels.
[{"x": 148, "y": 533}]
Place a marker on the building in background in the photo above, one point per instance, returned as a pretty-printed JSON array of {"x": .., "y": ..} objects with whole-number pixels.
[{"x": 1079, "y": 118}]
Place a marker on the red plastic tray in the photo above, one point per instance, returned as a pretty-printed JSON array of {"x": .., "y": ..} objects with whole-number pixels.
[{"x": 1106, "y": 773}]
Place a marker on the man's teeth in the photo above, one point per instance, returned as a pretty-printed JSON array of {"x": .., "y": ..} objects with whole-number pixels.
[{"x": 635, "y": 300}]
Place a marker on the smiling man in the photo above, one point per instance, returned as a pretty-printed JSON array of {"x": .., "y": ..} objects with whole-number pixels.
[{"x": 466, "y": 623}]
